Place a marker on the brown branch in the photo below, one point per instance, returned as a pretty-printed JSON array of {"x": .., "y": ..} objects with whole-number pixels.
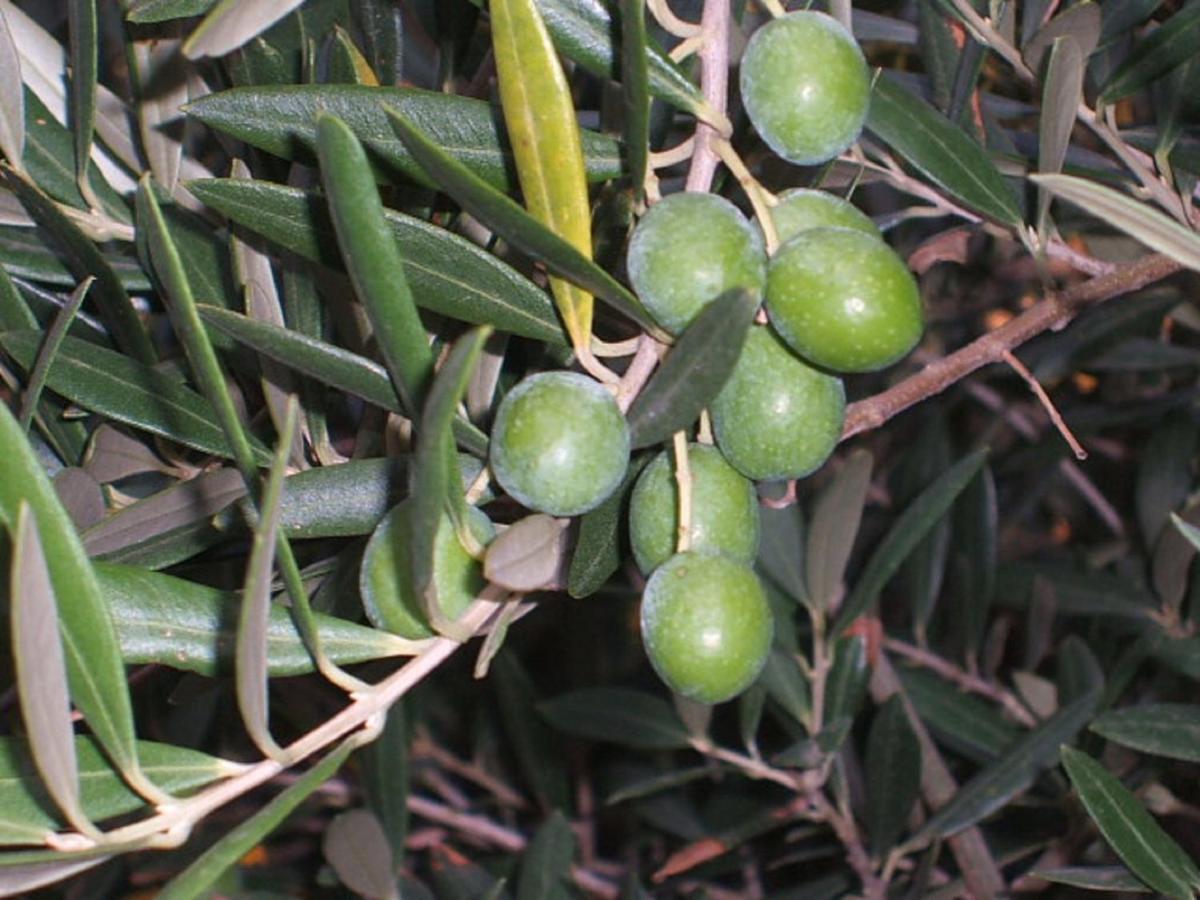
[
  {"x": 1052, "y": 313},
  {"x": 714, "y": 82}
]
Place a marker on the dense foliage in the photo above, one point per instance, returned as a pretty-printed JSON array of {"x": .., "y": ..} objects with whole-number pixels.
[{"x": 577, "y": 447}]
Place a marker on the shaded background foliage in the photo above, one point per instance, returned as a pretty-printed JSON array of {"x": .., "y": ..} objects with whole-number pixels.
[{"x": 999, "y": 599}]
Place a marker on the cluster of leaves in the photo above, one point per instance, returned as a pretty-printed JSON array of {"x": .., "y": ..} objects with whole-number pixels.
[{"x": 985, "y": 661}]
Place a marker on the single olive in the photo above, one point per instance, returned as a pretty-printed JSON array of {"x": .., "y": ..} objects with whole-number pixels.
[
  {"x": 687, "y": 250},
  {"x": 706, "y": 625},
  {"x": 385, "y": 579},
  {"x": 843, "y": 300},
  {"x": 724, "y": 509},
  {"x": 777, "y": 417},
  {"x": 560, "y": 444},
  {"x": 806, "y": 86},
  {"x": 804, "y": 208}
]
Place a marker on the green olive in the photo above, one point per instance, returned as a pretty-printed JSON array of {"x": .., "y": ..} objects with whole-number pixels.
[{"x": 803, "y": 208}]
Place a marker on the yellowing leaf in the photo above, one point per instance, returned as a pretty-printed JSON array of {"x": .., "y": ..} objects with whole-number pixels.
[{"x": 544, "y": 134}]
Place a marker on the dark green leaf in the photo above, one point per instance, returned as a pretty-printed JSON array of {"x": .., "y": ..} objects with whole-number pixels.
[
  {"x": 974, "y": 553},
  {"x": 1150, "y": 852},
  {"x": 546, "y": 865},
  {"x": 694, "y": 371},
  {"x": 893, "y": 768},
  {"x": 373, "y": 259},
  {"x": 24, "y": 815},
  {"x": 1061, "y": 94},
  {"x": 787, "y": 686},
  {"x": 384, "y": 775},
  {"x": 1093, "y": 878},
  {"x": 127, "y": 391},
  {"x": 511, "y": 222},
  {"x": 1170, "y": 44},
  {"x": 282, "y": 121},
  {"x": 85, "y": 259},
  {"x": 1081, "y": 22},
  {"x": 25, "y": 255},
  {"x": 166, "y": 620},
  {"x": 835, "y": 521},
  {"x": 1079, "y": 672},
  {"x": 635, "y": 91},
  {"x": 536, "y": 747},
  {"x": 83, "y": 30},
  {"x": 1164, "y": 473},
  {"x": 147, "y": 11},
  {"x": 632, "y": 718},
  {"x": 1011, "y": 774},
  {"x": 598, "y": 544},
  {"x": 940, "y": 151},
  {"x": 846, "y": 685},
  {"x": 448, "y": 274},
  {"x": 211, "y": 865},
  {"x": 964, "y": 723},
  {"x": 781, "y": 549},
  {"x": 1163, "y": 729},
  {"x": 906, "y": 532}
]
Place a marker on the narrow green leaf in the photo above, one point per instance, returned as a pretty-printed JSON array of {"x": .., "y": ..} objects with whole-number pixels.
[
  {"x": 940, "y": 150},
  {"x": 436, "y": 487},
  {"x": 546, "y": 864},
  {"x": 787, "y": 685},
  {"x": 1062, "y": 91},
  {"x": 1011, "y": 774},
  {"x": 197, "y": 878},
  {"x": 150, "y": 11},
  {"x": 1137, "y": 219},
  {"x": 166, "y": 620},
  {"x": 54, "y": 338},
  {"x": 598, "y": 544},
  {"x": 1093, "y": 878},
  {"x": 251, "y": 649},
  {"x": 846, "y": 686},
  {"x": 1163, "y": 729},
  {"x": 232, "y": 23},
  {"x": 384, "y": 776},
  {"x": 97, "y": 678},
  {"x": 1170, "y": 44},
  {"x": 535, "y": 745},
  {"x": 282, "y": 120},
  {"x": 16, "y": 880},
  {"x": 1164, "y": 476},
  {"x": 527, "y": 555},
  {"x": 835, "y": 520},
  {"x": 515, "y": 225},
  {"x": 373, "y": 259},
  {"x": 635, "y": 91},
  {"x": 893, "y": 765},
  {"x": 539, "y": 113},
  {"x": 633, "y": 718},
  {"x": 781, "y": 550},
  {"x": 40, "y": 672},
  {"x": 84, "y": 43},
  {"x": 448, "y": 274},
  {"x": 1150, "y": 852},
  {"x": 906, "y": 532},
  {"x": 127, "y": 391},
  {"x": 358, "y": 850},
  {"x": 965, "y": 723},
  {"x": 12, "y": 97},
  {"x": 974, "y": 540},
  {"x": 1082, "y": 22},
  {"x": 695, "y": 370},
  {"x": 24, "y": 254},
  {"x": 84, "y": 259}
]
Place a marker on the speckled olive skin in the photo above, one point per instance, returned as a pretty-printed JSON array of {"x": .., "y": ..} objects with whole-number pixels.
[
  {"x": 777, "y": 417},
  {"x": 803, "y": 208},
  {"x": 560, "y": 444},
  {"x": 687, "y": 250},
  {"x": 385, "y": 580},
  {"x": 706, "y": 626},
  {"x": 724, "y": 509},
  {"x": 843, "y": 300},
  {"x": 806, "y": 86}
]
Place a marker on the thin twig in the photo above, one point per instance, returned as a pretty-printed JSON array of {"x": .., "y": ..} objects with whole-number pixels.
[
  {"x": 965, "y": 680},
  {"x": 1052, "y": 313},
  {"x": 714, "y": 82},
  {"x": 1047, "y": 404}
]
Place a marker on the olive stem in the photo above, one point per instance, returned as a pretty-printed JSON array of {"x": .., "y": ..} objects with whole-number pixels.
[
  {"x": 760, "y": 198},
  {"x": 1048, "y": 404},
  {"x": 683, "y": 477},
  {"x": 671, "y": 22},
  {"x": 774, "y": 7},
  {"x": 704, "y": 432},
  {"x": 714, "y": 82}
]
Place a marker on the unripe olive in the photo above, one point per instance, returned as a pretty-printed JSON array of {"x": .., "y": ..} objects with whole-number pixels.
[
  {"x": 806, "y": 86},
  {"x": 560, "y": 444},
  {"x": 687, "y": 250},
  {"x": 843, "y": 300},
  {"x": 706, "y": 626},
  {"x": 777, "y": 417},
  {"x": 385, "y": 579},
  {"x": 724, "y": 509},
  {"x": 804, "y": 208}
]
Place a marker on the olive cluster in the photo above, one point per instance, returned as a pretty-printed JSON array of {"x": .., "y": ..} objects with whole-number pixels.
[{"x": 838, "y": 300}]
